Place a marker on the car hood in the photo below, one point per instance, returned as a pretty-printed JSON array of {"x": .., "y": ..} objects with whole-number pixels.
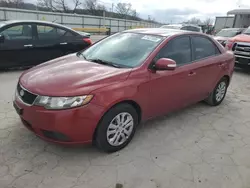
[
  {"x": 70, "y": 76},
  {"x": 241, "y": 38},
  {"x": 218, "y": 38}
]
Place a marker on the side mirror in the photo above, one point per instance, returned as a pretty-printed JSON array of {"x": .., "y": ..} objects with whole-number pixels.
[
  {"x": 165, "y": 64},
  {"x": 238, "y": 33},
  {"x": 2, "y": 38}
]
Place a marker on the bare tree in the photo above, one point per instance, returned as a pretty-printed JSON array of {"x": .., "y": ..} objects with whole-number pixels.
[
  {"x": 12, "y": 3},
  {"x": 47, "y": 4},
  {"x": 208, "y": 21},
  {"x": 194, "y": 21},
  {"x": 90, "y": 5},
  {"x": 77, "y": 3},
  {"x": 134, "y": 13},
  {"x": 61, "y": 5},
  {"x": 94, "y": 7},
  {"x": 124, "y": 9}
]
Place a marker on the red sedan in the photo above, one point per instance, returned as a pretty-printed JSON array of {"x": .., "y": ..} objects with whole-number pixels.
[{"x": 103, "y": 93}]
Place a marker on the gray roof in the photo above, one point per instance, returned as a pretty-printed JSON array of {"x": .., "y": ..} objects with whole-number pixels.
[{"x": 239, "y": 11}]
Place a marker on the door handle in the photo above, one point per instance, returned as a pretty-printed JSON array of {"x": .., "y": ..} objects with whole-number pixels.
[
  {"x": 28, "y": 45},
  {"x": 221, "y": 64},
  {"x": 63, "y": 43},
  {"x": 192, "y": 73}
]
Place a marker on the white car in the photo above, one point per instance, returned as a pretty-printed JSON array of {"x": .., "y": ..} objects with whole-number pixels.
[
  {"x": 84, "y": 33},
  {"x": 187, "y": 27}
]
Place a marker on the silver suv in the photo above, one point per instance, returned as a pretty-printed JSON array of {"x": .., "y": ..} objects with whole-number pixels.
[{"x": 187, "y": 27}]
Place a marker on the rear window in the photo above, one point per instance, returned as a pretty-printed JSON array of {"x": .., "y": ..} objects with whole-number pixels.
[
  {"x": 49, "y": 32},
  {"x": 191, "y": 28},
  {"x": 203, "y": 48}
]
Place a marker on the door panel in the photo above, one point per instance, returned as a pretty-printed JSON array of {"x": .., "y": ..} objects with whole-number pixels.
[
  {"x": 206, "y": 57},
  {"x": 171, "y": 90},
  {"x": 47, "y": 43},
  {"x": 70, "y": 43},
  {"x": 18, "y": 46}
]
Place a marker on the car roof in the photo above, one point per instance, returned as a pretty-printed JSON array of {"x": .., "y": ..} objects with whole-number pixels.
[
  {"x": 181, "y": 25},
  {"x": 32, "y": 21},
  {"x": 233, "y": 29},
  {"x": 158, "y": 31}
]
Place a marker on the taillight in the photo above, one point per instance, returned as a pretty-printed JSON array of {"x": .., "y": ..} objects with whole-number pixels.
[
  {"x": 88, "y": 40},
  {"x": 229, "y": 45}
]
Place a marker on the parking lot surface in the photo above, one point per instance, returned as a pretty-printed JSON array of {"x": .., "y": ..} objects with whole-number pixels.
[{"x": 197, "y": 147}]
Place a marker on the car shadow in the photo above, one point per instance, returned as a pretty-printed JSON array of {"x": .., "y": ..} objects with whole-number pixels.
[{"x": 13, "y": 70}]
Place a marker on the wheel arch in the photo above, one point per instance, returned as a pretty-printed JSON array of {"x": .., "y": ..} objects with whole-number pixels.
[
  {"x": 134, "y": 104},
  {"x": 227, "y": 78}
]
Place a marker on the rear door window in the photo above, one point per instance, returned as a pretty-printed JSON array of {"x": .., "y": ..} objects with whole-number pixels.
[
  {"x": 203, "y": 48},
  {"x": 18, "y": 32},
  {"x": 46, "y": 32}
]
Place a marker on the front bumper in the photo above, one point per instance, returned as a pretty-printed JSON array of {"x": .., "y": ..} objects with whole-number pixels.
[{"x": 71, "y": 126}]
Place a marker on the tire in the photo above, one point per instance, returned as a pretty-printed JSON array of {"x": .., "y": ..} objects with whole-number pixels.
[
  {"x": 214, "y": 99},
  {"x": 108, "y": 128}
]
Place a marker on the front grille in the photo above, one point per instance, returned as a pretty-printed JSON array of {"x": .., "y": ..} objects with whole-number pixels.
[
  {"x": 26, "y": 96},
  {"x": 243, "y": 47},
  {"x": 242, "y": 53}
]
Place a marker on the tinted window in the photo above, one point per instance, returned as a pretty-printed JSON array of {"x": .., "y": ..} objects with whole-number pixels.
[
  {"x": 18, "y": 32},
  {"x": 48, "y": 32},
  {"x": 191, "y": 28},
  {"x": 178, "y": 49},
  {"x": 203, "y": 47}
]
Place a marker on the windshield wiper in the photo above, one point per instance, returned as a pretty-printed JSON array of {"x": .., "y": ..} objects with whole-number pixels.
[
  {"x": 81, "y": 54},
  {"x": 103, "y": 62}
]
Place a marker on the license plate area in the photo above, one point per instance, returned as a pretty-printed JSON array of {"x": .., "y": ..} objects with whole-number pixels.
[{"x": 18, "y": 109}]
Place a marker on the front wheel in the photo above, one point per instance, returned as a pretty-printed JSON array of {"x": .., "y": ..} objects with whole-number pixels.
[
  {"x": 116, "y": 128},
  {"x": 219, "y": 93}
]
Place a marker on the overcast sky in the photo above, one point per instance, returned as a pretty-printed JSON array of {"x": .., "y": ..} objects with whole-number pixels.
[
  {"x": 180, "y": 10},
  {"x": 174, "y": 11}
]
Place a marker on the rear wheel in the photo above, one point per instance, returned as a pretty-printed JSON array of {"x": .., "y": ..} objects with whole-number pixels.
[
  {"x": 219, "y": 93},
  {"x": 116, "y": 128}
]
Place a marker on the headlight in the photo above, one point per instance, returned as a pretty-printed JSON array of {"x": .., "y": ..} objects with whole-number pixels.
[{"x": 58, "y": 103}]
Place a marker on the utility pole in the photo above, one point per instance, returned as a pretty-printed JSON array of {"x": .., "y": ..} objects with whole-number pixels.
[
  {"x": 239, "y": 3},
  {"x": 112, "y": 10},
  {"x": 104, "y": 18}
]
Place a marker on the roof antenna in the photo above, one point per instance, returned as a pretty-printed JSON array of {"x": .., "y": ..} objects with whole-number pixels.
[{"x": 54, "y": 20}]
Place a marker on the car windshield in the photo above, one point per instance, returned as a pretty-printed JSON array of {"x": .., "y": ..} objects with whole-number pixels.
[
  {"x": 247, "y": 31},
  {"x": 122, "y": 49},
  {"x": 2, "y": 24},
  {"x": 227, "y": 33}
]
